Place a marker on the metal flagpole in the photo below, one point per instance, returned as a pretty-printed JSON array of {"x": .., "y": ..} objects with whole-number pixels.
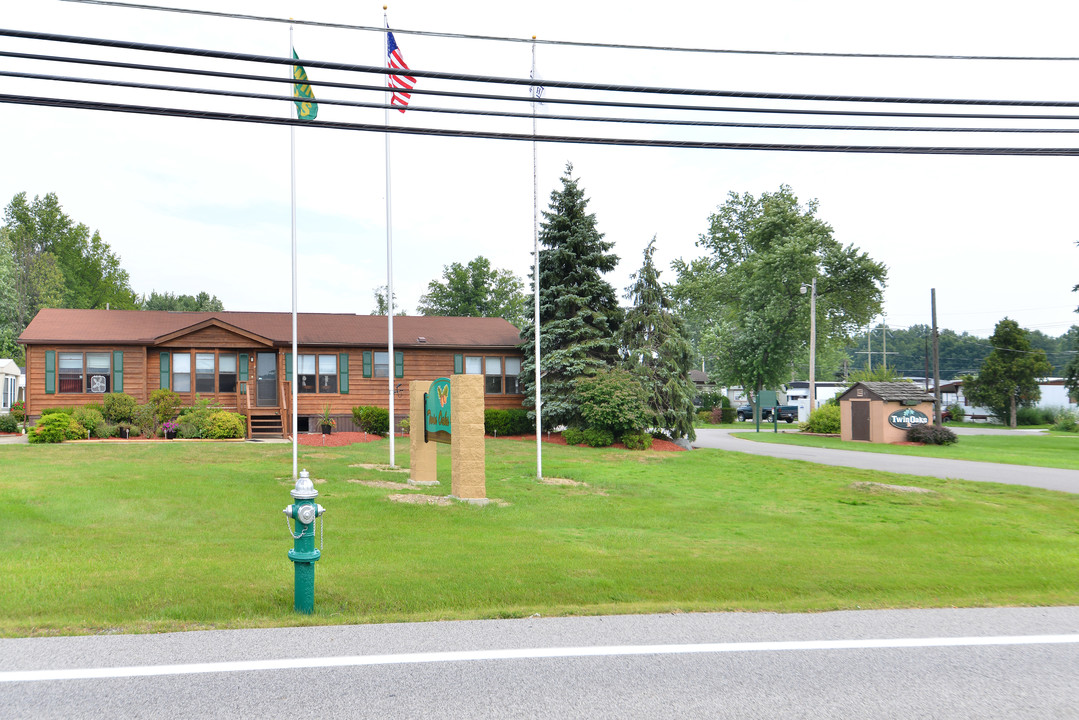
[
  {"x": 295, "y": 357},
  {"x": 389, "y": 243},
  {"x": 536, "y": 272}
]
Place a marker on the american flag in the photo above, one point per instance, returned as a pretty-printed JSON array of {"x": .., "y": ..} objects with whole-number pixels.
[{"x": 401, "y": 84}]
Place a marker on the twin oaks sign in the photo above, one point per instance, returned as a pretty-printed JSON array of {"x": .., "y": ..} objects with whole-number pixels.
[
  {"x": 907, "y": 418},
  {"x": 436, "y": 412}
]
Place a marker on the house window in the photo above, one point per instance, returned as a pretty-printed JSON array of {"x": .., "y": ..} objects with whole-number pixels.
[
  {"x": 327, "y": 373},
  {"x": 226, "y": 373},
  {"x": 204, "y": 372},
  {"x": 98, "y": 373},
  {"x": 9, "y": 392},
  {"x": 382, "y": 364},
  {"x": 69, "y": 372},
  {"x": 181, "y": 373},
  {"x": 513, "y": 369},
  {"x": 473, "y": 365},
  {"x": 492, "y": 382},
  {"x": 305, "y": 374}
]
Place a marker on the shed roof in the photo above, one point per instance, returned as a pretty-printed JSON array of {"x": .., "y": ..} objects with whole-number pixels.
[
  {"x": 147, "y": 327},
  {"x": 893, "y": 391}
]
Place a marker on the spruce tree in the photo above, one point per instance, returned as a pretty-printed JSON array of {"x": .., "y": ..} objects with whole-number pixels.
[
  {"x": 657, "y": 352},
  {"x": 579, "y": 314}
]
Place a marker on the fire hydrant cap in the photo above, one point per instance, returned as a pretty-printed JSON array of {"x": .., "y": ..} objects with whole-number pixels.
[{"x": 305, "y": 489}]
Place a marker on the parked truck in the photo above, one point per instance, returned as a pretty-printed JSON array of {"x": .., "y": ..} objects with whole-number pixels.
[{"x": 786, "y": 413}]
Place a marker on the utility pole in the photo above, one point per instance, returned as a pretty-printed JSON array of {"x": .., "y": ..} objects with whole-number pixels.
[
  {"x": 926, "y": 363},
  {"x": 936, "y": 360},
  {"x": 884, "y": 336}
]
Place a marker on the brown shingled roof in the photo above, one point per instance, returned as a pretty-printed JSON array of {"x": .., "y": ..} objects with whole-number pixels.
[
  {"x": 144, "y": 327},
  {"x": 893, "y": 391}
]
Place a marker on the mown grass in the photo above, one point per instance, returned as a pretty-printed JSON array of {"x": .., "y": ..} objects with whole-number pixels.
[
  {"x": 167, "y": 536},
  {"x": 1056, "y": 450}
]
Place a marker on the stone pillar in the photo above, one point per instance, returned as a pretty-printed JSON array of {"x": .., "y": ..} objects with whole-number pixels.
[
  {"x": 468, "y": 481},
  {"x": 424, "y": 456}
]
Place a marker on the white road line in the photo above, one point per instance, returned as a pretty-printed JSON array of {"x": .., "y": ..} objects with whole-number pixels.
[{"x": 524, "y": 654}]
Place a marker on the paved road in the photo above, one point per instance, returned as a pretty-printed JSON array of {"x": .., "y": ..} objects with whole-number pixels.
[
  {"x": 1048, "y": 478},
  {"x": 1013, "y": 663}
]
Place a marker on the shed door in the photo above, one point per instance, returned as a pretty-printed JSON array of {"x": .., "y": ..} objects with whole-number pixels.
[{"x": 859, "y": 420}]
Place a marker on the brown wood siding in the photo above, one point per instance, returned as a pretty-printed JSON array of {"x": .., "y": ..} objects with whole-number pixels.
[
  {"x": 37, "y": 399},
  {"x": 212, "y": 338}
]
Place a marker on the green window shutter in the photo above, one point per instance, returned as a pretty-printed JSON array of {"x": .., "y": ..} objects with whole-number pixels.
[
  {"x": 288, "y": 367},
  {"x": 165, "y": 374},
  {"x": 117, "y": 371},
  {"x": 398, "y": 364},
  {"x": 458, "y": 364},
  {"x": 243, "y": 367},
  {"x": 367, "y": 363},
  {"x": 50, "y": 372},
  {"x": 342, "y": 383}
]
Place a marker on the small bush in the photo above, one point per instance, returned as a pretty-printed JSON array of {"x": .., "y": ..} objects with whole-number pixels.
[
  {"x": 1066, "y": 422},
  {"x": 8, "y": 424},
  {"x": 223, "y": 425},
  {"x": 711, "y": 399},
  {"x": 506, "y": 422},
  {"x": 193, "y": 420},
  {"x": 598, "y": 437},
  {"x": 119, "y": 407},
  {"x": 165, "y": 403},
  {"x": 612, "y": 400},
  {"x": 573, "y": 436},
  {"x": 704, "y": 416},
  {"x": 18, "y": 411},
  {"x": 58, "y": 411},
  {"x": 1030, "y": 416},
  {"x": 824, "y": 420},
  {"x": 144, "y": 421},
  {"x": 55, "y": 428},
  {"x": 637, "y": 441},
  {"x": 108, "y": 430},
  {"x": 958, "y": 413},
  {"x": 372, "y": 419},
  {"x": 931, "y": 435},
  {"x": 90, "y": 418}
]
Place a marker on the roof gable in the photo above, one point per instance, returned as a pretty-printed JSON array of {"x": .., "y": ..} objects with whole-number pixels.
[{"x": 199, "y": 327}]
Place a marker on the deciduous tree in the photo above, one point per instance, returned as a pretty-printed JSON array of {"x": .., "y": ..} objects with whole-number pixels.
[
  {"x": 1008, "y": 379},
  {"x": 475, "y": 290}
]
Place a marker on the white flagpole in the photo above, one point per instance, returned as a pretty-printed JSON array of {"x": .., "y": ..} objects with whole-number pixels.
[
  {"x": 536, "y": 273},
  {"x": 391, "y": 365},
  {"x": 295, "y": 357}
]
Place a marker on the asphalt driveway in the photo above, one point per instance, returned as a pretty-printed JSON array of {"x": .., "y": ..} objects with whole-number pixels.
[{"x": 1047, "y": 478}]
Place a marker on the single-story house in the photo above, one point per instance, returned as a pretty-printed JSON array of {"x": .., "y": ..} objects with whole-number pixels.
[
  {"x": 797, "y": 392},
  {"x": 11, "y": 380},
  {"x": 243, "y": 360},
  {"x": 1054, "y": 395}
]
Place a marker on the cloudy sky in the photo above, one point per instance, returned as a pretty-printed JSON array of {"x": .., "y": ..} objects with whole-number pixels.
[{"x": 194, "y": 205}]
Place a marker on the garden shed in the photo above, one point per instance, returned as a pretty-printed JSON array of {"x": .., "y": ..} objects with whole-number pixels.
[{"x": 882, "y": 412}]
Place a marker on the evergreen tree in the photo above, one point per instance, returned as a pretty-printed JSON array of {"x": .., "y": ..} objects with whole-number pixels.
[
  {"x": 657, "y": 351},
  {"x": 1009, "y": 376},
  {"x": 579, "y": 314}
]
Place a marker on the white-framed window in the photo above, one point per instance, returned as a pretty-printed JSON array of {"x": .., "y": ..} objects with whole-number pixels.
[
  {"x": 69, "y": 372},
  {"x": 492, "y": 371},
  {"x": 382, "y": 364},
  {"x": 10, "y": 388},
  {"x": 181, "y": 372},
  {"x": 226, "y": 373}
]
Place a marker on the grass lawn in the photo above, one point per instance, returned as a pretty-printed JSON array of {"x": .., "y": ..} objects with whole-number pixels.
[
  {"x": 1058, "y": 450},
  {"x": 118, "y": 537}
]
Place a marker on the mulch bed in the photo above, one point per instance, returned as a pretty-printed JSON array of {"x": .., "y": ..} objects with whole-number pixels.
[{"x": 340, "y": 439}]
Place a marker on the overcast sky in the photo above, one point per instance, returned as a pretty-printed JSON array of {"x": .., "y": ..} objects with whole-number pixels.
[{"x": 194, "y": 205}]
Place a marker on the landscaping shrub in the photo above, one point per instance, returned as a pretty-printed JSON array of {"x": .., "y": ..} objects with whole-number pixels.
[
  {"x": 18, "y": 411},
  {"x": 824, "y": 420},
  {"x": 193, "y": 420},
  {"x": 637, "y": 441},
  {"x": 8, "y": 424},
  {"x": 1031, "y": 416},
  {"x": 612, "y": 400},
  {"x": 506, "y": 422},
  {"x": 144, "y": 421},
  {"x": 712, "y": 399},
  {"x": 1066, "y": 422},
  {"x": 56, "y": 427},
  {"x": 931, "y": 435},
  {"x": 371, "y": 419},
  {"x": 91, "y": 419},
  {"x": 119, "y": 407},
  {"x": 57, "y": 411},
  {"x": 704, "y": 416},
  {"x": 597, "y": 437},
  {"x": 222, "y": 425},
  {"x": 573, "y": 436},
  {"x": 165, "y": 403},
  {"x": 724, "y": 414},
  {"x": 958, "y": 413}
]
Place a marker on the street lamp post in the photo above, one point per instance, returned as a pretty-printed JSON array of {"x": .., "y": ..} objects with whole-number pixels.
[{"x": 812, "y": 343}]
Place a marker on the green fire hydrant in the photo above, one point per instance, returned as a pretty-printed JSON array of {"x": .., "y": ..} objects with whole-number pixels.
[{"x": 305, "y": 511}]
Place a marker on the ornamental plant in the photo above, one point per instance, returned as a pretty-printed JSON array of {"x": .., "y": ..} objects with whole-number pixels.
[{"x": 18, "y": 411}]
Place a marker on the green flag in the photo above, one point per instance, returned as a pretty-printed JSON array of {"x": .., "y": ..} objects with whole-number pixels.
[{"x": 306, "y": 109}]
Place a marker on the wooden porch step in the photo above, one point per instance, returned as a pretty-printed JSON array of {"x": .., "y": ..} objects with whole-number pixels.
[{"x": 267, "y": 424}]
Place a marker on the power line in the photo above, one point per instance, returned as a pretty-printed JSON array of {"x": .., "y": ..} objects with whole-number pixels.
[
  {"x": 573, "y": 43},
  {"x": 577, "y": 140},
  {"x": 527, "y": 82}
]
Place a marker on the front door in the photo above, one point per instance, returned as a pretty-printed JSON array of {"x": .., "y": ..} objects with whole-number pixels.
[{"x": 266, "y": 379}]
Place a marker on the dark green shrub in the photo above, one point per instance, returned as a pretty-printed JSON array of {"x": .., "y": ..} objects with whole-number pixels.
[
  {"x": 824, "y": 420},
  {"x": 723, "y": 414},
  {"x": 931, "y": 435},
  {"x": 637, "y": 441},
  {"x": 58, "y": 411},
  {"x": 165, "y": 403},
  {"x": 612, "y": 400},
  {"x": 144, "y": 421},
  {"x": 223, "y": 425},
  {"x": 1066, "y": 422},
  {"x": 506, "y": 422},
  {"x": 573, "y": 436},
  {"x": 193, "y": 420},
  {"x": 56, "y": 427},
  {"x": 108, "y": 430},
  {"x": 372, "y": 419},
  {"x": 958, "y": 413},
  {"x": 597, "y": 437},
  {"x": 90, "y": 418},
  {"x": 712, "y": 398},
  {"x": 1029, "y": 416},
  {"x": 119, "y": 407},
  {"x": 8, "y": 424}
]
